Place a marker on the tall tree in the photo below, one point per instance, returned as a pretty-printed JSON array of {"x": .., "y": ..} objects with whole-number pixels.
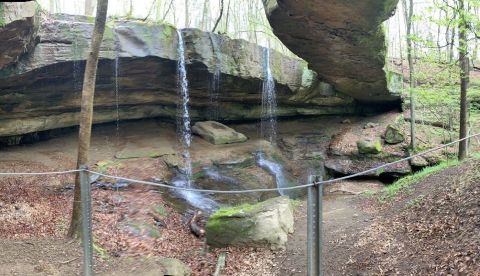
[
  {"x": 464, "y": 77},
  {"x": 86, "y": 113},
  {"x": 408, "y": 14}
]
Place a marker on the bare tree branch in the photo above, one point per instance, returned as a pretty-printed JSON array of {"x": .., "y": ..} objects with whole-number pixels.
[{"x": 219, "y": 17}]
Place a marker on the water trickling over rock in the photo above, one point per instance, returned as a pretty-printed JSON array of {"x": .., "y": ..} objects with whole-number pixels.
[
  {"x": 275, "y": 169},
  {"x": 269, "y": 101},
  {"x": 214, "y": 84},
  {"x": 185, "y": 179}
]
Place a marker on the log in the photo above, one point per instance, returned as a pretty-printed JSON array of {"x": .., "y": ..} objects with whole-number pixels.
[
  {"x": 430, "y": 123},
  {"x": 196, "y": 229}
]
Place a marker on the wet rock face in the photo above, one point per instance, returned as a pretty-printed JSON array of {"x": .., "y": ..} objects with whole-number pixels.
[
  {"x": 342, "y": 41},
  {"x": 42, "y": 90}
]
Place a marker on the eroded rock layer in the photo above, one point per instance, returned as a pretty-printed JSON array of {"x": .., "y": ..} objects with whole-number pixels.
[
  {"x": 138, "y": 66},
  {"x": 343, "y": 41}
]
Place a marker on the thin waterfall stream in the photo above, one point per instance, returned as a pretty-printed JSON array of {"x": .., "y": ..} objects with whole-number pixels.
[
  {"x": 269, "y": 124},
  {"x": 214, "y": 84},
  {"x": 185, "y": 178},
  {"x": 269, "y": 102}
]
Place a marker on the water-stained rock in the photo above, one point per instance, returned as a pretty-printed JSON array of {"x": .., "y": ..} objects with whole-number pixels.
[{"x": 41, "y": 91}]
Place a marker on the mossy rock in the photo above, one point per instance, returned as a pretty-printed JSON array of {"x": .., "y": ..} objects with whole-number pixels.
[
  {"x": 369, "y": 146},
  {"x": 265, "y": 224},
  {"x": 394, "y": 135}
]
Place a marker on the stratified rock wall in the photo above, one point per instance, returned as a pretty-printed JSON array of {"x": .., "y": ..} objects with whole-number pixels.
[
  {"x": 343, "y": 41},
  {"x": 42, "y": 90}
]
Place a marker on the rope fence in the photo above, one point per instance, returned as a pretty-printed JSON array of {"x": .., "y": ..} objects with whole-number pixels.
[
  {"x": 314, "y": 205},
  {"x": 162, "y": 185}
]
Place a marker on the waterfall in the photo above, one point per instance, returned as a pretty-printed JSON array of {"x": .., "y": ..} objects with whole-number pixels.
[
  {"x": 185, "y": 180},
  {"x": 214, "y": 84},
  {"x": 275, "y": 169},
  {"x": 183, "y": 114},
  {"x": 269, "y": 101}
]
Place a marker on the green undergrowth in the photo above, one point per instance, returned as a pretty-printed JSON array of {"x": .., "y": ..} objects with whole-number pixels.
[
  {"x": 100, "y": 251},
  {"x": 404, "y": 183}
]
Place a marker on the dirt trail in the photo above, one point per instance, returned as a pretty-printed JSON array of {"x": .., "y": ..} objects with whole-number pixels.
[{"x": 342, "y": 219}]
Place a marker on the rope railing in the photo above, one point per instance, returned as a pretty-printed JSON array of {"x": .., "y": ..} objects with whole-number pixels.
[{"x": 167, "y": 186}]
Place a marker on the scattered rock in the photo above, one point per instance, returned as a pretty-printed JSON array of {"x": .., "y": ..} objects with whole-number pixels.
[
  {"x": 175, "y": 267},
  {"x": 419, "y": 162},
  {"x": 217, "y": 133},
  {"x": 353, "y": 187},
  {"x": 235, "y": 162},
  {"x": 344, "y": 166},
  {"x": 370, "y": 125},
  {"x": 369, "y": 146},
  {"x": 393, "y": 135},
  {"x": 346, "y": 121},
  {"x": 119, "y": 185},
  {"x": 267, "y": 223},
  {"x": 173, "y": 161},
  {"x": 140, "y": 228}
]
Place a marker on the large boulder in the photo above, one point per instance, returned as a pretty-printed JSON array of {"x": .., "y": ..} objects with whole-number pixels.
[
  {"x": 217, "y": 133},
  {"x": 266, "y": 224},
  {"x": 349, "y": 42}
]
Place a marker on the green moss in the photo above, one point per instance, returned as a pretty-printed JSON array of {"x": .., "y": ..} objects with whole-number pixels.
[
  {"x": 2, "y": 15},
  {"x": 100, "y": 251},
  {"x": 160, "y": 211},
  {"x": 233, "y": 211},
  {"x": 105, "y": 165}
]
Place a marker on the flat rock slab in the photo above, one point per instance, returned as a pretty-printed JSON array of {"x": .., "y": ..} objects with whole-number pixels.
[
  {"x": 353, "y": 187},
  {"x": 217, "y": 133}
]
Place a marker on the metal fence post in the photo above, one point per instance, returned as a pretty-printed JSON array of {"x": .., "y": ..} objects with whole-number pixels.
[
  {"x": 86, "y": 197},
  {"x": 319, "y": 224},
  {"x": 310, "y": 223}
]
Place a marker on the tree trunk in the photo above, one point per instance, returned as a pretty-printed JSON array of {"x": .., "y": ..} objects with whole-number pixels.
[
  {"x": 408, "y": 13},
  {"x": 219, "y": 17},
  {"x": 452, "y": 39},
  {"x": 464, "y": 78},
  {"x": 86, "y": 113}
]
